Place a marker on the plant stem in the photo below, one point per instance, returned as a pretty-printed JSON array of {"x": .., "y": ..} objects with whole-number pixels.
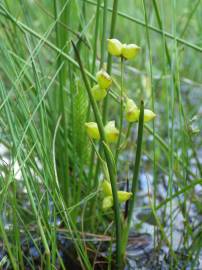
[
  {"x": 104, "y": 31},
  {"x": 137, "y": 162},
  {"x": 7, "y": 244},
  {"x": 103, "y": 42},
  {"x": 61, "y": 40},
  {"x": 109, "y": 60},
  {"x": 134, "y": 181},
  {"x": 109, "y": 161},
  {"x": 121, "y": 113},
  {"x": 96, "y": 36},
  {"x": 93, "y": 72}
]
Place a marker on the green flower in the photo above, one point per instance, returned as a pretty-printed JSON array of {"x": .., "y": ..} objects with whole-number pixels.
[
  {"x": 133, "y": 112},
  {"x": 104, "y": 79},
  {"x": 148, "y": 115},
  {"x": 98, "y": 92},
  {"x": 111, "y": 132},
  {"x": 114, "y": 47},
  {"x": 92, "y": 130},
  {"x": 107, "y": 203},
  {"x": 130, "y": 51}
]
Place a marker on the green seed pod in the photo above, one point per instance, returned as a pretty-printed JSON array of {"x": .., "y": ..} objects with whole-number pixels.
[
  {"x": 104, "y": 79},
  {"x": 107, "y": 202},
  {"x": 114, "y": 47},
  {"x": 106, "y": 188},
  {"x": 124, "y": 196},
  {"x": 130, "y": 51},
  {"x": 111, "y": 132},
  {"x": 92, "y": 130},
  {"x": 98, "y": 93},
  {"x": 148, "y": 115},
  {"x": 132, "y": 111}
]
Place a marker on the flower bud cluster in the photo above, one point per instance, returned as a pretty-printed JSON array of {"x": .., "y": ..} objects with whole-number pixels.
[
  {"x": 104, "y": 81},
  {"x": 107, "y": 203},
  {"x": 111, "y": 132},
  {"x": 127, "y": 51},
  {"x": 132, "y": 112}
]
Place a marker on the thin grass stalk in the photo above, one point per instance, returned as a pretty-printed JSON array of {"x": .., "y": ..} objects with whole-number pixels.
[
  {"x": 102, "y": 57},
  {"x": 166, "y": 67},
  {"x": 109, "y": 161},
  {"x": 182, "y": 191},
  {"x": 175, "y": 78},
  {"x": 17, "y": 252},
  {"x": 112, "y": 32},
  {"x": 153, "y": 28},
  {"x": 7, "y": 244},
  {"x": 131, "y": 203},
  {"x": 121, "y": 112},
  {"x": 96, "y": 31},
  {"x": 45, "y": 140},
  {"x": 182, "y": 119},
  {"x": 153, "y": 108},
  {"x": 104, "y": 33},
  {"x": 84, "y": 12},
  {"x": 61, "y": 42},
  {"x": 190, "y": 17},
  {"x": 14, "y": 133},
  {"x": 96, "y": 36},
  {"x": 53, "y": 238},
  {"x": 63, "y": 211},
  {"x": 170, "y": 103},
  {"x": 109, "y": 60},
  {"x": 173, "y": 64},
  {"x": 30, "y": 39},
  {"x": 65, "y": 26},
  {"x": 16, "y": 225},
  {"x": 184, "y": 142},
  {"x": 137, "y": 164},
  {"x": 171, "y": 99},
  {"x": 153, "y": 97},
  {"x": 27, "y": 80}
]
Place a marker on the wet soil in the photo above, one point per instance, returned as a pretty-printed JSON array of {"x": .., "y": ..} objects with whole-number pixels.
[{"x": 140, "y": 255}]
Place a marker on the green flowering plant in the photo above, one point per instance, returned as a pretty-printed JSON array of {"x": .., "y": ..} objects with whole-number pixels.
[{"x": 108, "y": 133}]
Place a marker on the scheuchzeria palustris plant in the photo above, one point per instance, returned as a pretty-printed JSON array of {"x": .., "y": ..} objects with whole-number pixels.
[
  {"x": 110, "y": 134},
  {"x": 132, "y": 112}
]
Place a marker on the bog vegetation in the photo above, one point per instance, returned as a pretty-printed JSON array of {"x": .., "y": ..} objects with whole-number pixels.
[{"x": 100, "y": 143}]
